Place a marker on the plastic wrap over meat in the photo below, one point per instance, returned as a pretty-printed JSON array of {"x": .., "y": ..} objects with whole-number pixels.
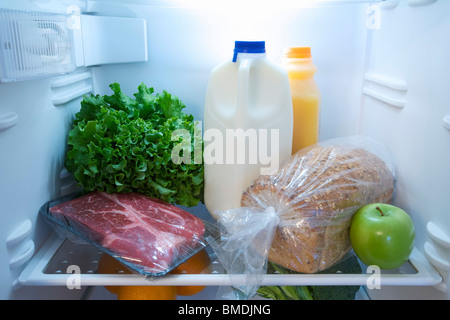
[
  {"x": 148, "y": 235},
  {"x": 314, "y": 196}
]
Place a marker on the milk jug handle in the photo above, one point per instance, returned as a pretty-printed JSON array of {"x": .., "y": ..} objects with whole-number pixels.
[{"x": 242, "y": 91}]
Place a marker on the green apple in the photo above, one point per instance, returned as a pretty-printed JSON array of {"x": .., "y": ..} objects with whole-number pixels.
[{"x": 382, "y": 234}]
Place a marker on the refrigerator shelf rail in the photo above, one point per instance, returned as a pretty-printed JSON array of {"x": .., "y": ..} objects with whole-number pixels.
[{"x": 57, "y": 262}]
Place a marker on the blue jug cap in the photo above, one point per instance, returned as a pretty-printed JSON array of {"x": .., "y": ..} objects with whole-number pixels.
[{"x": 248, "y": 47}]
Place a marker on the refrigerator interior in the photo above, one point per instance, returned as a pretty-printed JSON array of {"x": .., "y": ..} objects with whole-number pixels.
[{"x": 382, "y": 71}]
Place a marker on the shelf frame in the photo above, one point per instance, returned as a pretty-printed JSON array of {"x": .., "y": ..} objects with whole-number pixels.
[{"x": 424, "y": 274}]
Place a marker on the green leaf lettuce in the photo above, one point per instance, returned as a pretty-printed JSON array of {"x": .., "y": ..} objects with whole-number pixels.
[{"x": 124, "y": 144}]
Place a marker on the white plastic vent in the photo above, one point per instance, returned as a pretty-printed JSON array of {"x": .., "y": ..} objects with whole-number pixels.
[{"x": 34, "y": 45}]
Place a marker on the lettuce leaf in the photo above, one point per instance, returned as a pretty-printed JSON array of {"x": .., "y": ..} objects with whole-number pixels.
[{"x": 124, "y": 144}]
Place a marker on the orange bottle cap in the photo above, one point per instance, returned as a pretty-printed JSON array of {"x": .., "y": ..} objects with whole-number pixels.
[{"x": 297, "y": 52}]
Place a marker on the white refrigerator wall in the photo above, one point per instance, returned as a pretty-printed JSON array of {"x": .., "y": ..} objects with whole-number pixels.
[
  {"x": 406, "y": 105},
  {"x": 186, "y": 42}
]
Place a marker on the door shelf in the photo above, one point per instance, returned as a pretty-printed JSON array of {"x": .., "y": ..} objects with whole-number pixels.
[{"x": 50, "y": 264}]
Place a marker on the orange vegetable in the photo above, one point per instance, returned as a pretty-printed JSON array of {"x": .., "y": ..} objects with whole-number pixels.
[
  {"x": 147, "y": 293},
  {"x": 199, "y": 263},
  {"x": 109, "y": 265}
]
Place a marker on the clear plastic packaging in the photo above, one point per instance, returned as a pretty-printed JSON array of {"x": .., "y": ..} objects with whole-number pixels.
[
  {"x": 147, "y": 235},
  {"x": 300, "y": 217}
]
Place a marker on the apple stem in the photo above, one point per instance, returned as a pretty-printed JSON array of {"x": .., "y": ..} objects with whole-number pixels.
[{"x": 378, "y": 208}]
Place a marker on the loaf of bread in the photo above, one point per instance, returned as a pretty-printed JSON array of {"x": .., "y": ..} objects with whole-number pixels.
[{"x": 315, "y": 195}]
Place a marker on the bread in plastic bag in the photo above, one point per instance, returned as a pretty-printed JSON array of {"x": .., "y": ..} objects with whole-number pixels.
[{"x": 314, "y": 196}]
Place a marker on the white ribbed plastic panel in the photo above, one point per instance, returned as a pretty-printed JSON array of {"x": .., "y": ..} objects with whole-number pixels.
[{"x": 34, "y": 45}]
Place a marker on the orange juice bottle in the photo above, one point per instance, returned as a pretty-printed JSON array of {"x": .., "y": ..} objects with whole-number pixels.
[{"x": 305, "y": 96}]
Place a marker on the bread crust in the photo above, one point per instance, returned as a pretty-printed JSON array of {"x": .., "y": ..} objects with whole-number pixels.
[{"x": 315, "y": 194}]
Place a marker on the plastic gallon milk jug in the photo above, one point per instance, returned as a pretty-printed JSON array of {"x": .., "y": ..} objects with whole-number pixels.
[
  {"x": 247, "y": 124},
  {"x": 305, "y": 96}
]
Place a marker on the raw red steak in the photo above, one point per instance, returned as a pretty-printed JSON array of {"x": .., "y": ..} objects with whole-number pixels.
[{"x": 144, "y": 231}]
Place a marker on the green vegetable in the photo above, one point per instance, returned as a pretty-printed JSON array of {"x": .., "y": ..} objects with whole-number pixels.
[
  {"x": 349, "y": 265},
  {"x": 285, "y": 292},
  {"x": 124, "y": 144}
]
